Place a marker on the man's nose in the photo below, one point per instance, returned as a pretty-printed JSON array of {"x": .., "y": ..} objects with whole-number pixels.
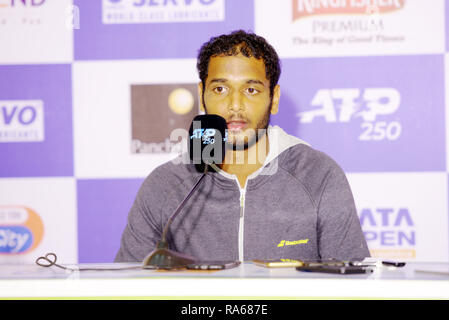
[{"x": 235, "y": 101}]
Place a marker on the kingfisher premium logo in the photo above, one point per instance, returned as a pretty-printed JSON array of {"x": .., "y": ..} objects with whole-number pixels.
[
  {"x": 317, "y": 28},
  {"x": 156, "y": 111},
  {"x": 306, "y": 8},
  {"x": 159, "y": 11},
  {"x": 345, "y": 22},
  {"x": 21, "y": 121}
]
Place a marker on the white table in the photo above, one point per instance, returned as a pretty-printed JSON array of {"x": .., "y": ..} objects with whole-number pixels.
[{"x": 248, "y": 281}]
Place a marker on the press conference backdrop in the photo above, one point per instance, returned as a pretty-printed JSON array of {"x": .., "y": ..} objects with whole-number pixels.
[{"x": 91, "y": 90}]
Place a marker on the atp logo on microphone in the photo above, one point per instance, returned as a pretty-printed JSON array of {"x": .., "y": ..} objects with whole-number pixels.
[
  {"x": 22, "y": 121},
  {"x": 207, "y": 135},
  {"x": 21, "y": 229}
]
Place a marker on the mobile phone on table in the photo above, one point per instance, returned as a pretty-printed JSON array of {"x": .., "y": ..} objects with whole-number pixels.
[
  {"x": 335, "y": 269},
  {"x": 325, "y": 263},
  {"x": 212, "y": 265}
]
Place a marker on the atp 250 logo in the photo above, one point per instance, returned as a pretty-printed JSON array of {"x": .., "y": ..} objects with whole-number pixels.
[{"x": 351, "y": 104}]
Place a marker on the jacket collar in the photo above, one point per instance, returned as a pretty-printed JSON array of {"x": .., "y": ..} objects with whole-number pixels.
[{"x": 279, "y": 142}]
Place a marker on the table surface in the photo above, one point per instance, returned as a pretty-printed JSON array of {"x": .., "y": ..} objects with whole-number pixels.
[{"x": 416, "y": 280}]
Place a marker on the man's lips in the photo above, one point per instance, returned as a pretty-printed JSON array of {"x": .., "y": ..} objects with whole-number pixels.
[{"x": 236, "y": 125}]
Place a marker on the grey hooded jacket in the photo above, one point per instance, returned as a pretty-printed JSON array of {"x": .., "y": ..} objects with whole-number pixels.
[{"x": 297, "y": 206}]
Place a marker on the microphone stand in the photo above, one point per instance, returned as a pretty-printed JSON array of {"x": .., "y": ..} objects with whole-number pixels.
[{"x": 162, "y": 257}]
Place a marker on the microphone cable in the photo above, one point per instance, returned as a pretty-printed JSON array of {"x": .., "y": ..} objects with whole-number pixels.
[{"x": 50, "y": 259}]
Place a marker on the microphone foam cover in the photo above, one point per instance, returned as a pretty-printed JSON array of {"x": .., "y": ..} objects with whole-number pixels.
[{"x": 207, "y": 139}]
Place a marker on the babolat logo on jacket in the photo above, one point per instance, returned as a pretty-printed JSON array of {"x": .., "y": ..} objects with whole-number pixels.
[{"x": 292, "y": 243}]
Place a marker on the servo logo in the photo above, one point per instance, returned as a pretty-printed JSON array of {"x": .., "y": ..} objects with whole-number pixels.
[
  {"x": 160, "y": 11},
  {"x": 21, "y": 121},
  {"x": 353, "y": 104},
  {"x": 306, "y": 8},
  {"x": 21, "y": 229},
  {"x": 389, "y": 231}
]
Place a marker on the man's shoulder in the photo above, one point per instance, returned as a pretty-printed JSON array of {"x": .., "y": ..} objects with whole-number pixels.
[
  {"x": 171, "y": 173},
  {"x": 304, "y": 156},
  {"x": 294, "y": 152},
  {"x": 309, "y": 165},
  {"x": 312, "y": 169}
]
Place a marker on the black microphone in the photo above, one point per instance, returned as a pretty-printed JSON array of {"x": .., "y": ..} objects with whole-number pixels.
[
  {"x": 207, "y": 142},
  {"x": 206, "y": 145}
]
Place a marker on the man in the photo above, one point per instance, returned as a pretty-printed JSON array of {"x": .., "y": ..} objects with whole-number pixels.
[{"x": 292, "y": 202}]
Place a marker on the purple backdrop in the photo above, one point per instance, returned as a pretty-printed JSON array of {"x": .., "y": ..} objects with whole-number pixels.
[
  {"x": 95, "y": 40},
  {"x": 421, "y": 144},
  {"x": 103, "y": 207}
]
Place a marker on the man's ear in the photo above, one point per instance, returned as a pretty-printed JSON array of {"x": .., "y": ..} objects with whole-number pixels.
[
  {"x": 275, "y": 100},
  {"x": 200, "y": 96}
]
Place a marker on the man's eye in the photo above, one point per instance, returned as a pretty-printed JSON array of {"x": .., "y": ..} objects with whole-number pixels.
[
  {"x": 252, "y": 91},
  {"x": 219, "y": 89}
]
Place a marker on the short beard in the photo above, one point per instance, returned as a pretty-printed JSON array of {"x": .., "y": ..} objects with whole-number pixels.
[{"x": 262, "y": 125}]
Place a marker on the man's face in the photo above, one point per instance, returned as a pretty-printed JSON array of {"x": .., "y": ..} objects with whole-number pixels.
[{"x": 238, "y": 90}]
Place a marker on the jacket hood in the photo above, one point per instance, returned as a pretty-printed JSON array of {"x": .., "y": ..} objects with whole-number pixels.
[{"x": 279, "y": 141}]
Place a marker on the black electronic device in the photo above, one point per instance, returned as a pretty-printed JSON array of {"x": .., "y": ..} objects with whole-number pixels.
[
  {"x": 213, "y": 265},
  {"x": 393, "y": 263},
  {"x": 206, "y": 145},
  {"x": 335, "y": 269},
  {"x": 207, "y": 140}
]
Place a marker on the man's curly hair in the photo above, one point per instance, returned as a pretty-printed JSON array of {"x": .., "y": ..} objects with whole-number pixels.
[{"x": 245, "y": 43}]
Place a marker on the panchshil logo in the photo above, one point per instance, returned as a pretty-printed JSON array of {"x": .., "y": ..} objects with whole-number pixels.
[
  {"x": 21, "y": 229},
  {"x": 157, "y": 110}
]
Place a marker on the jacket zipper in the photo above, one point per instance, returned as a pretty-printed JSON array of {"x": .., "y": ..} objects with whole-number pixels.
[{"x": 241, "y": 222}]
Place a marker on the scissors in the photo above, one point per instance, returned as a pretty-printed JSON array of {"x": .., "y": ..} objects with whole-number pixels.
[{"x": 48, "y": 260}]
